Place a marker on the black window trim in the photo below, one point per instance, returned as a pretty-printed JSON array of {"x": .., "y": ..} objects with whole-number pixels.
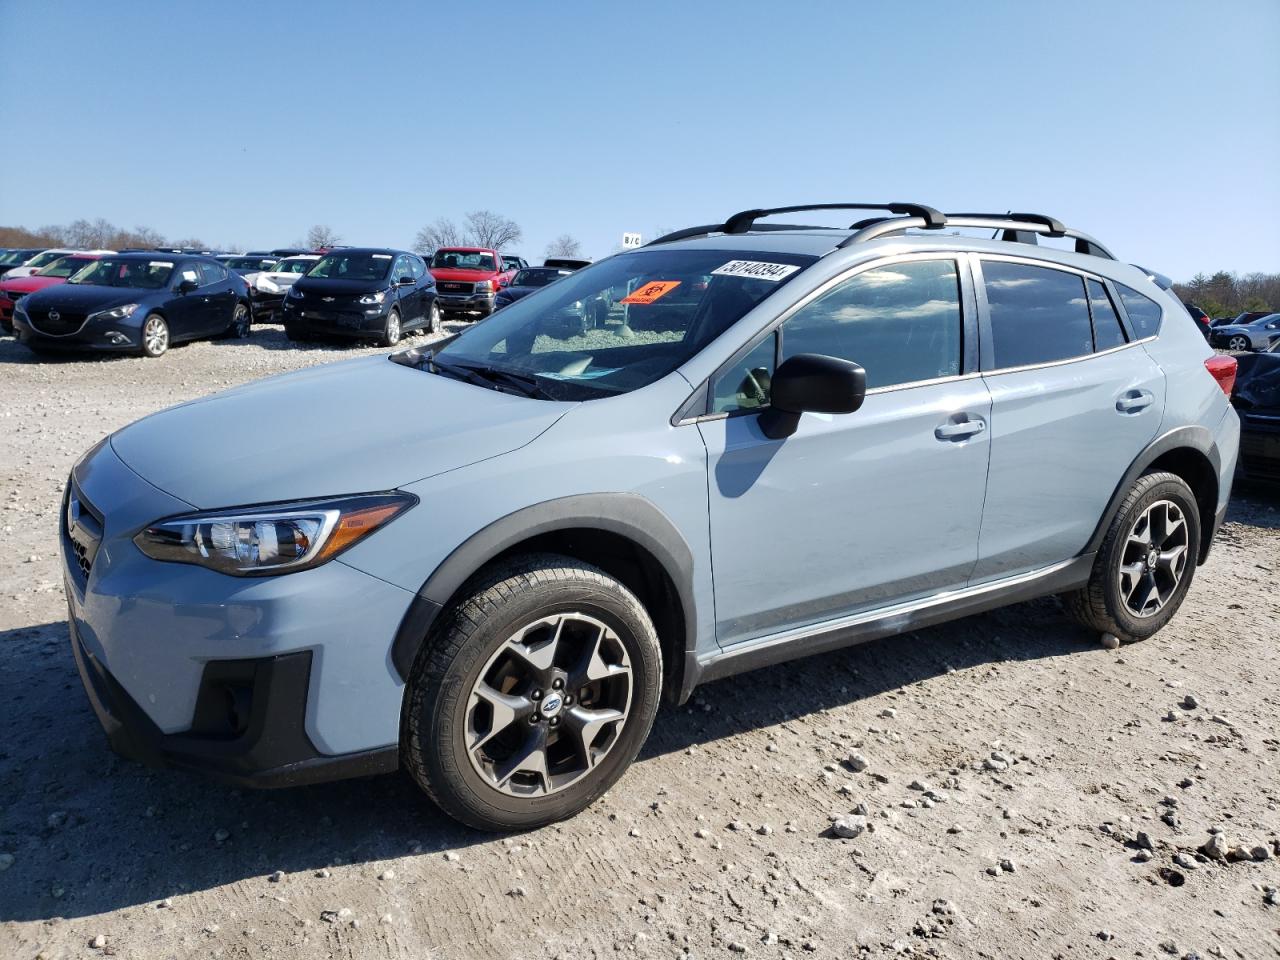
[
  {"x": 698, "y": 407},
  {"x": 988, "y": 365}
]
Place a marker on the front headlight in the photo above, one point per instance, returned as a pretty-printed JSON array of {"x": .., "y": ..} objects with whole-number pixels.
[
  {"x": 378, "y": 297},
  {"x": 115, "y": 313},
  {"x": 267, "y": 286},
  {"x": 484, "y": 286},
  {"x": 294, "y": 292},
  {"x": 277, "y": 539}
]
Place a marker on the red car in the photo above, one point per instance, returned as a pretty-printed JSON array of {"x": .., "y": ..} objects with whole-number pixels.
[
  {"x": 11, "y": 291},
  {"x": 467, "y": 278}
]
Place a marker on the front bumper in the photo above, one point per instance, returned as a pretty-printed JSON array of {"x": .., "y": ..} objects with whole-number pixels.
[
  {"x": 481, "y": 303},
  {"x": 94, "y": 335},
  {"x": 264, "y": 307},
  {"x": 264, "y": 681},
  {"x": 343, "y": 321}
]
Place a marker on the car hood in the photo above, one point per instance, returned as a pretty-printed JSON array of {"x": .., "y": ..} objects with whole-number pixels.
[
  {"x": 470, "y": 276},
  {"x": 85, "y": 297},
  {"x": 31, "y": 284},
  {"x": 324, "y": 287},
  {"x": 515, "y": 293},
  {"x": 1258, "y": 382},
  {"x": 348, "y": 427}
]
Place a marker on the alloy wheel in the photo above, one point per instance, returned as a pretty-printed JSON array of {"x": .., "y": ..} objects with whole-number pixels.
[
  {"x": 548, "y": 705},
  {"x": 1154, "y": 558},
  {"x": 433, "y": 323},
  {"x": 1238, "y": 343},
  {"x": 393, "y": 329},
  {"x": 155, "y": 336},
  {"x": 240, "y": 323}
]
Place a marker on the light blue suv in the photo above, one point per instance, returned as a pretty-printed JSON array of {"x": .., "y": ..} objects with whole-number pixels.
[{"x": 740, "y": 444}]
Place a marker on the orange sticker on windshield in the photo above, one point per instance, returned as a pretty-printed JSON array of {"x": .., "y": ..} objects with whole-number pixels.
[{"x": 651, "y": 292}]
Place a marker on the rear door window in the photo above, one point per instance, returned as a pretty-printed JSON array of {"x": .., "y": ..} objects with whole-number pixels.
[
  {"x": 210, "y": 273},
  {"x": 1107, "y": 332},
  {"x": 1144, "y": 313},
  {"x": 1038, "y": 314}
]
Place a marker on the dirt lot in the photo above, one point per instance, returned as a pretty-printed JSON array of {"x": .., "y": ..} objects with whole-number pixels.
[{"x": 1015, "y": 773}]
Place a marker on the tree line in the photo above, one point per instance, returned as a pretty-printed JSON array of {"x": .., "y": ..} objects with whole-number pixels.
[
  {"x": 1226, "y": 294},
  {"x": 479, "y": 228}
]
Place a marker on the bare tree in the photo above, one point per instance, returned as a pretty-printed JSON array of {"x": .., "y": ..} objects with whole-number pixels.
[
  {"x": 442, "y": 233},
  {"x": 321, "y": 235},
  {"x": 193, "y": 243},
  {"x": 488, "y": 229},
  {"x": 564, "y": 246}
]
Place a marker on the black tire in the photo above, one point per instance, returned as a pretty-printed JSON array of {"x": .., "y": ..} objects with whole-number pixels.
[
  {"x": 494, "y": 605},
  {"x": 241, "y": 324},
  {"x": 434, "y": 318},
  {"x": 1101, "y": 605},
  {"x": 392, "y": 329}
]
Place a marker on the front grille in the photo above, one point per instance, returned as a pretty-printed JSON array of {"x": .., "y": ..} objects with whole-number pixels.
[
  {"x": 454, "y": 286},
  {"x": 82, "y": 530},
  {"x": 16, "y": 295},
  {"x": 56, "y": 323}
]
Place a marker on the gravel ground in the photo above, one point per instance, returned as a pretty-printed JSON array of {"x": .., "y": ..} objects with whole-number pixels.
[{"x": 1006, "y": 786}]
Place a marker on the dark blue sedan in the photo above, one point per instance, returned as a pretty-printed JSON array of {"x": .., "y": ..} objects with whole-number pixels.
[
  {"x": 525, "y": 282},
  {"x": 136, "y": 303}
]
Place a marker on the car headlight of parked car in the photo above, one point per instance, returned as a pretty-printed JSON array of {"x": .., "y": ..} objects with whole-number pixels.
[
  {"x": 282, "y": 538},
  {"x": 267, "y": 286},
  {"x": 115, "y": 313},
  {"x": 484, "y": 286},
  {"x": 369, "y": 298},
  {"x": 295, "y": 293}
]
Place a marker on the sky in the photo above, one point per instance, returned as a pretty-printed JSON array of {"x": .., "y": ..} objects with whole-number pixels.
[{"x": 1153, "y": 126}]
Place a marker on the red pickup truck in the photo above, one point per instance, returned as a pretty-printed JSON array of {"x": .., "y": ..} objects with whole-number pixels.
[{"x": 467, "y": 279}]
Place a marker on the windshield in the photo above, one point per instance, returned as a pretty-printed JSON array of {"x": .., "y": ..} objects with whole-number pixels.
[
  {"x": 247, "y": 263},
  {"x": 64, "y": 266},
  {"x": 1269, "y": 318},
  {"x": 293, "y": 266},
  {"x": 112, "y": 272},
  {"x": 511, "y": 263},
  {"x": 537, "y": 277},
  {"x": 14, "y": 257},
  {"x": 46, "y": 258},
  {"x": 352, "y": 266},
  {"x": 622, "y": 323},
  {"x": 462, "y": 260}
]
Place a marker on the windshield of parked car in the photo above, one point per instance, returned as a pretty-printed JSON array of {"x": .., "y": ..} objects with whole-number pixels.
[
  {"x": 619, "y": 324},
  {"x": 511, "y": 263},
  {"x": 1263, "y": 321},
  {"x": 64, "y": 267},
  {"x": 538, "y": 277},
  {"x": 300, "y": 265},
  {"x": 44, "y": 259},
  {"x": 352, "y": 266},
  {"x": 248, "y": 263},
  {"x": 12, "y": 258},
  {"x": 121, "y": 272},
  {"x": 463, "y": 260}
]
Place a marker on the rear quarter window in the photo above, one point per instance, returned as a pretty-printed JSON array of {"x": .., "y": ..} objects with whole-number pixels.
[{"x": 1144, "y": 313}]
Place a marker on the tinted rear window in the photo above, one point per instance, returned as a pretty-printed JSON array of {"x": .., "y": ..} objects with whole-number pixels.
[
  {"x": 1038, "y": 315},
  {"x": 1107, "y": 332},
  {"x": 1143, "y": 312}
]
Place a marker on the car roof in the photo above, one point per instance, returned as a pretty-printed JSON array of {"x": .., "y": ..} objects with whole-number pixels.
[
  {"x": 467, "y": 250},
  {"x": 365, "y": 251}
]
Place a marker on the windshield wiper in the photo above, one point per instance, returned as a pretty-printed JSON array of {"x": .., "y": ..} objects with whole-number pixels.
[{"x": 525, "y": 383}]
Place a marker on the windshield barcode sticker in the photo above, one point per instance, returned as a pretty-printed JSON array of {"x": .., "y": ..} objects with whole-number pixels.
[{"x": 756, "y": 270}]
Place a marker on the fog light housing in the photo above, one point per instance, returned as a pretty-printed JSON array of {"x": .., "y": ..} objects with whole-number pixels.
[{"x": 117, "y": 338}]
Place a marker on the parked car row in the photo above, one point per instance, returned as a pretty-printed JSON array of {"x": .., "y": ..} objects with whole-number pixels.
[{"x": 143, "y": 301}]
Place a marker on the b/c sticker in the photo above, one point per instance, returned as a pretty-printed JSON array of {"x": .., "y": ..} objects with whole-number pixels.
[
  {"x": 756, "y": 270},
  {"x": 650, "y": 292}
]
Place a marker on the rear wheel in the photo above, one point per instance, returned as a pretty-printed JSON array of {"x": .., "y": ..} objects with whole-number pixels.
[
  {"x": 1238, "y": 342},
  {"x": 241, "y": 322},
  {"x": 155, "y": 336},
  {"x": 1146, "y": 563},
  {"x": 434, "y": 318},
  {"x": 533, "y": 695}
]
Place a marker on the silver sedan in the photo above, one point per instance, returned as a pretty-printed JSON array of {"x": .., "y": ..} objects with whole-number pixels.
[{"x": 1258, "y": 335}]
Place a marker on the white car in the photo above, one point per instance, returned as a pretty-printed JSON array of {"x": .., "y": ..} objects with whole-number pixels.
[
  {"x": 268, "y": 287},
  {"x": 42, "y": 260}
]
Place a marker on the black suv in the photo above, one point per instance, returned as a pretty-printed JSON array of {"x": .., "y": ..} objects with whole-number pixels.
[{"x": 363, "y": 293}]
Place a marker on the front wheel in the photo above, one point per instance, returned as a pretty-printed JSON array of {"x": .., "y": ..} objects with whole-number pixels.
[
  {"x": 1146, "y": 563},
  {"x": 155, "y": 336},
  {"x": 434, "y": 319},
  {"x": 533, "y": 695},
  {"x": 1238, "y": 343},
  {"x": 391, "y": 331}
]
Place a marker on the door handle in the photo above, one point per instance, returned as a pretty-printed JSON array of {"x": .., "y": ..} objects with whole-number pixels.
[
  {"x": 962, "y": 430},
  {"x": 1135, "y": 401}
]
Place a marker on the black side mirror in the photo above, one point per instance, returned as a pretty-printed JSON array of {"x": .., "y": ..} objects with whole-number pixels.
[
  {"x": 186, "y": 286},
  {"x": 403, "y": 280},
  {"x": 811, "y": 383}
]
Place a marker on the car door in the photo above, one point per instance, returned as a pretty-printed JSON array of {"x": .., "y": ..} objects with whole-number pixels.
[
  {"x": 861, "y": 510},
  {"x": 1074, "y": 401},
  {"x": 219, "y": 297},
  {"x": 406, "y": 294},
  {"x": 185, "y": 311}
]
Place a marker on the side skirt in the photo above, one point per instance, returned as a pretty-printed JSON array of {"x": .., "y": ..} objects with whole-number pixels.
[{"x": 886, "y": 621}]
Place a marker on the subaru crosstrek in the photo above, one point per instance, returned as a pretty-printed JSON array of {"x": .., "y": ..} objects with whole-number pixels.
[{"x": 844, "y": 434}]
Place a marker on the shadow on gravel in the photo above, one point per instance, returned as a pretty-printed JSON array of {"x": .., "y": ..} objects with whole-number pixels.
[
  {"x": 1255, "y": 504},
  {"x": 91, "y": 833}
]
